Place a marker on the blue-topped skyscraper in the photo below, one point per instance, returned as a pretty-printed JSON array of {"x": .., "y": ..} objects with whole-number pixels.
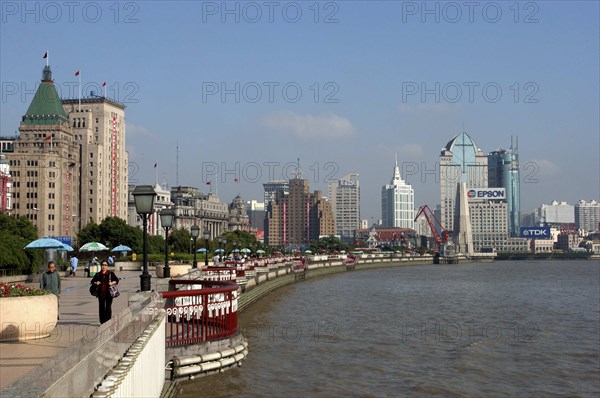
[
  {"x": 503, "y": 172},
  {"x": 398, "y": 202}
]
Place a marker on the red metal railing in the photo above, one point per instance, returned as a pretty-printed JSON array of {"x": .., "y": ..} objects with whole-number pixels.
[
  {"x": 220, "y": 274},
  {"x": 199, "y": 315}
]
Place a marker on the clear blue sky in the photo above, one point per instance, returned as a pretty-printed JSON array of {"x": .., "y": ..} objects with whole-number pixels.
[{"x": 362, "y": 68}]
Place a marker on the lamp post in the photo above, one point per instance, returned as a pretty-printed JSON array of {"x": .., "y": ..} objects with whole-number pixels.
[
  {"x": 166, "y": 220},
  {"x": 195, "y": 234},
  {"x": 144, "y": 197},
  {"x": 206, "y": 236},
  {"x": 220, "y": 239}
]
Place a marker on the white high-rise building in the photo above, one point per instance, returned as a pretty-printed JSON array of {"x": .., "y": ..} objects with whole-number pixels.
[
  {"x": 397, "y": 202},
  {"x": 344, "y": 196},
  {"x": 587, "y": 215}
]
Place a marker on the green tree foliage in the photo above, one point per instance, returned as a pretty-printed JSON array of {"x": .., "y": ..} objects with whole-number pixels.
[
  {"x": 156, "y": 244},
  {"x": 328, "y": 244},
  {"x": 179, "y": 240},
  {"x": 244, "y": 239},
  {"x": 15, "y": 234}
]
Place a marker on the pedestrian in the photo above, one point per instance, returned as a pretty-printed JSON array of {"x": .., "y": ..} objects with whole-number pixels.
[
  {"x": 74, "y": 262},
  {"x": 104, "y": 279},
  {"x": 51, "y": 280}
]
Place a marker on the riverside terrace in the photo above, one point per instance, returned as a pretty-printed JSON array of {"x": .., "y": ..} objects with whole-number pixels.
[{"x": 83, "y": 358}]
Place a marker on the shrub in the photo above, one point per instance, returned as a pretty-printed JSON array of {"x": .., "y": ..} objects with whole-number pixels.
[{"x": 19, "y": 290}]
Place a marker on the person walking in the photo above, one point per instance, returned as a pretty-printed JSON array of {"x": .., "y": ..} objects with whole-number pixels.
[
  {"x": 50, "y": 280},
  {"x": 74, "y": 262},
  {"x": 104, "y": 279}
]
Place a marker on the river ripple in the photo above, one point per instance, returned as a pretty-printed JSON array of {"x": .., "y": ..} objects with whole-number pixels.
[{"x": 498, "y": 329}]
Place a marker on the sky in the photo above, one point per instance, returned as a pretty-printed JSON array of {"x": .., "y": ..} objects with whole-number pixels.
[{"x": 238, "y": 92}]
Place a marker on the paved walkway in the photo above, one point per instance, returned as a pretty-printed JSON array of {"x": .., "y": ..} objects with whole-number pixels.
[{"x": 78, "y": 323}]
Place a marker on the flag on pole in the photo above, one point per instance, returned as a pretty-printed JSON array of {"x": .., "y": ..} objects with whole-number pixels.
[
  {"x": 77, "y": 73},
  {"x": 155, "y": 164},
  {"x": 45, "y": 55},
  {"x": 236, "y": 180},
  {"x": 207, "y": 182},
  {"x": 104, "y": 84}
]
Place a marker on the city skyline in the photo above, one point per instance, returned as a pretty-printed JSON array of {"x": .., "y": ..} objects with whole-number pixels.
[{"x": 381, "y": 79}]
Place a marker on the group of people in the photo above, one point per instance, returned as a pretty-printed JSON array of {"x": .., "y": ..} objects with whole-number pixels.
[{"x": 50, "y": 280}]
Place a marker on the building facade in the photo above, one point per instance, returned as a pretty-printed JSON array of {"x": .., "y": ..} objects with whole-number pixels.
[
  {"x": 503, "y": 172},
  {"x": 5, "y": 186},
  {"x": 45, "y": 165},
  {"x": 460, "y": 161},
  {"x": 587, "y": 216},
  {"x": 344, "y": 198},
  {"x": 98, "y": 125},
  {"x": 397, "y": 203}
]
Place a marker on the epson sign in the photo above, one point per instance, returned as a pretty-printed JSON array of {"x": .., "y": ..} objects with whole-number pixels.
[
  {"x": 535, "y": 232},
  {"x": 486, "y": 193}
]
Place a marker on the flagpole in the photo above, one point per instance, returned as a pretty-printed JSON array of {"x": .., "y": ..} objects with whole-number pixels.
[
  {"x": 79, "y": 76},
  {"x": 104, "y": 90},
  {"x": 47, "y": 58},
  {"x": 155, "y": 173}
]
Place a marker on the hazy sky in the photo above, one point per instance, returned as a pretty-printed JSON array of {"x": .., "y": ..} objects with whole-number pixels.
[{"x": 247, "y": 88}]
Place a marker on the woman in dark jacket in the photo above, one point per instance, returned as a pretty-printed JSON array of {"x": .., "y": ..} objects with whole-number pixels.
[{"x": 103, "y": 280}]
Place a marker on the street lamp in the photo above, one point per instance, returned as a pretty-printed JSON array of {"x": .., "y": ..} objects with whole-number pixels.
[
  {"x": 195, "y": 234},
  {"x": 221, "y": 240},
  {"x": 206, "y": 236},
  {"x": 166, "y": 220},
  {"x": 144, "y": 196}
]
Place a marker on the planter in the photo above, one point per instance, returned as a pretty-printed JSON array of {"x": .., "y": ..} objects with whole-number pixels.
[
  {"x": 28, "y": 317},
  {"x": 176, "y": 270}
]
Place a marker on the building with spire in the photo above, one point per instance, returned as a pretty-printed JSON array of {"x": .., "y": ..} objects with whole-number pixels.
[
  {"x": 461, "y": 161},
  {"x": 45, "y": 165},
  {"x": 397, "y": 202}
]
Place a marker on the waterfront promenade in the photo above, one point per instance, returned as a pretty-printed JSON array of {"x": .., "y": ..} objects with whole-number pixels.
[{"x": 77, "y": 325}]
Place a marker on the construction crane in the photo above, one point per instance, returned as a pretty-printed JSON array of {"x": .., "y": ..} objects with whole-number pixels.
[{"x": 439, "y": 240}]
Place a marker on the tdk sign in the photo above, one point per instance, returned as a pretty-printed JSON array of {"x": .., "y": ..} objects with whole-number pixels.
[
  {"x": 535, "y": 232},
  {"x": 486, "y": 193}
]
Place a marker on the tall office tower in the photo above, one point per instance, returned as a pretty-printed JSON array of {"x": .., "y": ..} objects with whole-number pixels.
[
  {"x": 272, "y": 187},
  {"x": 321, "y": 221},
  {"x": 298, "y": 207},
  {"x": 275, "y": 221},
  {"x": 587, "y": 216},
  {"x": 460, "y": 161},
  {"x": 503, "y": 172},
  {"x": 256, "y": 214},
  {"x": 398, "y": 202},
  {"x": 98, "y": 124},
  {"x": 344, "y": 199},
  {"x": 45, "y": 165}
]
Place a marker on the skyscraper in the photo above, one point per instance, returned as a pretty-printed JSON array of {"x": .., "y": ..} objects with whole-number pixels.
[
  {"x": 503, "y": 172},
  {"x": 460, "y": 161},
  {"x": 344, "y": 195},
  {"x": 398, "y": 202}
]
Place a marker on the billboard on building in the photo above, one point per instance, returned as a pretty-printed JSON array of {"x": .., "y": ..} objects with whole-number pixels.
[
  {"x": 535, "y": 232},
  {"x": 486, "y": 193}
]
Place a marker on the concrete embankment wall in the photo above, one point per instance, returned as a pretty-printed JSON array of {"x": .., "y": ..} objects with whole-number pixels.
[{"x": 264, "y": 282}]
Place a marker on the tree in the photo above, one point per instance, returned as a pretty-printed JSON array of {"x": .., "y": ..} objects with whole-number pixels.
[
  {"x": 15, "y": 234},
  {"x": 179, "y": 239}
]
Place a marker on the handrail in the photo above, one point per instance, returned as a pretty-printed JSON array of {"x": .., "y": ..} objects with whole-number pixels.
[{"x": 207, "y": 314}]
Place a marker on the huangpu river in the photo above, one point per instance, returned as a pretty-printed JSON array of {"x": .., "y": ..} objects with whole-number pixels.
[{"x": 479, "y": 330}]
